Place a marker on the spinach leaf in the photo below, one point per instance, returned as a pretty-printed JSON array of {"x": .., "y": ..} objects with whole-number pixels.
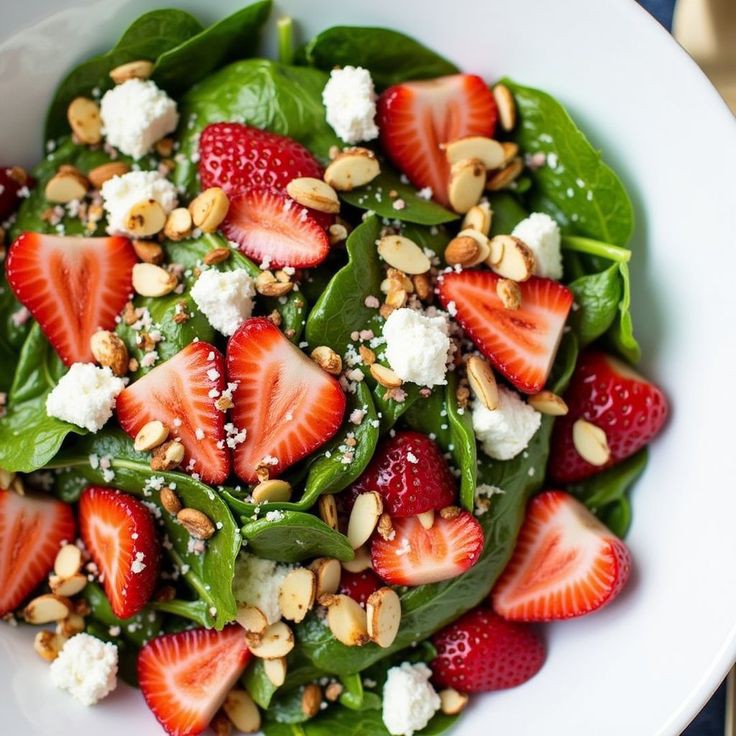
[
  {"x": 580, "y": 191},
  {"x": 29, "y": 438},
  {"x": 390, "y": 56},
  {"x": 286, "y": 707},
  {"x": 507, "y": 212},
  {"x": 622, "y": 331},
  {"x": 13, "y": 333},
  {"x": 597, "y": 298},
  {"x": 209, "y": 573},
  {"x": 196, "y": 611},
  {"x": 355, "y": 697},
  {"x": 233, "y": 37},
  {"x": 259, "y": 687},
  {"x": 462, "y": 446},
  {"x": 147, "y": 38},
  {"x": 429, "y": 415}
]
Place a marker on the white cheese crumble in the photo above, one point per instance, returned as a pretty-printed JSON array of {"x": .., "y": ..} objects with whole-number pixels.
[
  {"x": 417, "y": 346},
  {"x": 506, "y": 430},
  {"x": 225, "y": 298},
  {"x": 136, "y": 114},
  {"x": 350, "y": 101},
  {"x": 542, "y": 234},
  {"x": 87, "y": 668},
  {"x": 120, "y": 193},
  {"x": 409, "y": 700},
  {"x": 257, "y": 583},
  {"x": 85, "y": 396}
]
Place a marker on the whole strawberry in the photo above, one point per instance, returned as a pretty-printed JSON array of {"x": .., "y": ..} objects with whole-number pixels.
[
  {"x": 609, "y": 394},
  {"x": 480, "y": 652}
]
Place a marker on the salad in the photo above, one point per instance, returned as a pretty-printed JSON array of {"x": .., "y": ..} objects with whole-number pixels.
[{"x": 317, "y": 380}]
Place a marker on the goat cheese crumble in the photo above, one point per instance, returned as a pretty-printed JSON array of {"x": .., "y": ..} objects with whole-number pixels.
[
  {"x": 542, "y": 234},
  {"x": 409, "y": 700},
  {"x": 257, "y": 582},
  {"x": 350, "y": 101},
  {"x": 225, "y": 298}
]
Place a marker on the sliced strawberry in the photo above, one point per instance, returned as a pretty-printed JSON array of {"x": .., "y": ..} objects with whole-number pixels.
[
  {"x": 359, "y": 585},
  {"x": 566, "y": 563},
  {"x": 521, "y": 343},
  {"x": 626, "y": 406},
  {"x": 269, "y": 226},
  {"x": 13, "y": 180},
  {"x": 415, "y": 118},
  {"x": 32, "y": 529},
  {"x": 185, "y": 677},
  {"x": 286, "y": 402},
  {"x": 120, "y": 536},
  {"x": 481, "y": 652},
  {"x": 72, "y": 286},
  {"x": 411, "y": 474},
  {"x": 415, "y": 555},
  {"x": 181, "y": 393}
]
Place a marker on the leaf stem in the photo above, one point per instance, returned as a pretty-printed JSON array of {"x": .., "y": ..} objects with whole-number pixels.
[
  {"x": 285, "y": 27},
  {"x": 596, "y": 248}
]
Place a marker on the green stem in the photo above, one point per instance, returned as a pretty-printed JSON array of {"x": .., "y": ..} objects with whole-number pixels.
[
  {"x": 596, "y": 248},
  {"x": 285, "y": 28}
]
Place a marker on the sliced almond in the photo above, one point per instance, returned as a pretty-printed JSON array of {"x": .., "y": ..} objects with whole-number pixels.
[
  {"x": 396, "y": 299},
  {"x": 100, "y": 174},
  {"x": 383, "y": 609},
  {"x": 452, "y": 702},
  {"x": 364, "y": 516},
  {"x": 47, "y": 608},
  {"x": 352, "y": 168},
  {"x": 333, "y": 691},
  {"x": 140, "y": 69},
  {"x": 272, "y": 491},
  {"x": 48, "y": 645},
  {"x": 313, "y": 193},
  {"x": 426, "y": 519},
  {"x": 327, "y": 359},
  {"x": 150, "y": 435},
  {"x": 199, "y": 525},
  {"x": 221, "y": 725},
  {"x": 467, "y": 181},
  {"x": 275, "y": 670},
  {"x": 385, "y": 376},
  {"x": 327, "y": 571},
  {"x": 145, "y": 218},
  {"x": 66, "y": 186},
  {"x": 268, "y": 285},
  {"x": 164, "y": 147},
  {"x": 71, "y": 625},
  {"x": 68, "y": 561},
  {"x": 208, "y": 209},
  {"x": 148, "y": 251},
  {"x": 311, "y": 699},
  {"x": 6, "y": 479},
  {"x": 277, "y": 641},
  {"x": 506, "y": 107},
  {"x": 167, "y": 456},
  {"x": 297, "y": 594},
  {"x": 110, "y": 351},
  {"x": 482, "y": 382},
  {"x": 484, "y": 245},
  {"x": 337, "y": 233},
  {"x": 509, "y": 293},
  {"x": 450, "y": 512},
  {"x": 242, "y": 711},
  {"x": 422, "y": 286},
  {"x": 217, "y": 255},
  {"x": 590, "y": 442},
  {"x": 170, "y": 500},
  {"x": 403, "y": 254},
  {"x": 478, "y": 217},
  {"x": 83, "y": 115},
  {"x": 348, "y": 622},
  {"x": 367, "y": 355},
  {"x": 488, "y": 151},
  {"x": 461, "y": 251},
  {"x": 385, "y": 527},
  {"x": 548, "y": 403},
  {"x": 517, "y": 259},
  {"x": 67, "y": 586},
  {"x": 252, "y": 619},
  {"x": 361, "y": 561},
  {"x": 178, "y": 224},
  {"x": 510, "y": 152},
  {"x": 150, "y": 280},
  {"x": 506, "y": 176},
  {"x": 327, "y": 509}
]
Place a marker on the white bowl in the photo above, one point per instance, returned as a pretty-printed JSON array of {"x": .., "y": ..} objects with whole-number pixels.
[{"x": 646, "y": 664}]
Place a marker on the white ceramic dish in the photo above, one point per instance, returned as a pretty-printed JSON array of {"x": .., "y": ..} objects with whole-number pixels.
[{"x": 644, "y": 666}]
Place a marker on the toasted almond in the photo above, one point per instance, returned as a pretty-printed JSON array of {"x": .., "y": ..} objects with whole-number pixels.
[
  {"x": 267, "y": 285},
  {"x": 385, "y": 310},
  {"x": 150, "y": 435},
  {"x": 479, "y": 217},
  {"x": 467, "y": 181},
  {"x": 327, "y": 571},
  {"x": 484, "y": 245},
  {"x": 151, "y": 280},
  {"x": 170, "y": 500},
  {"x": 590, "y": 442},
  {"x": 140, "y": 69},
  {"x": 510, "y": 152},
  {"x": 277, "y": 641},
  {"x": 83, "y": 115},
  {"x": 313, "y": 193},
  {"x": 505, "y": 176},
  {"x": 178, "y": 224},
  {"x": 461, "y": 251},
  {"x": 364, "y": 516},
  {"x": 311, "y": 699},
  {"x": 167, "y": 456},
  {"x": 81, "y": 607},
  {"x": 548, "y": 403},
  {"x": 272, "y": 491},
  {"x": 252, "y": 619},
  {"x": 509, "y": 293},
  {"x": 450, "y": 512},
  {"x": 275, "y": 670},
  {"x": 66, "y": 186},
  {"x": 366, "y": 355},
  {"x": 385, "y": 376},
  {"x": 217, "y": 255},
  {"x": 148, "y": 251},
  {"x": 383, "y": 610},
  {"x": 403, "y": 254},
  {"x": 71, "y": 625},
  {"x": 110, "y": 351},
  {"x": 398, "y": 280},
  {"x": 209, "y": 208},
  {"x": 506, "y": 107},
  {"x": 482, "y": 382},
  {"x": 68, "y": 561},
  {"x": 145, "y": 218},
  {"x": 164, "y": 147},
  {"x": 396, "y": 298},
  {"x": 297, "y": 594},
  {"x": 352, "y": 168},
  {"x": 327, "y": 359},
  {"x": 199, "y": 525},
  {"x": 242, "y": 711},
  {"x": 385, "y": 527},
  {"x": 337, "y": 233},
  {"x": 517, "y": 259},
  {"x": 327, "y": 509},
  {"x": 333, "y": 691},
  {"x": 48, "y": 644},
  {"x": 488, "y": 151},
  {"x": 422, "y": 286},
  {"x": 67, "y": 586},
  {"x": 18, "y": 174},
  {"x": 348, "y": 622},
  {"x": 426, "y": 519},
  {"x": 100, "y": 174},
  {"x": 452, "y": 702},
  {"x": 221, "y": 725},
  {"x": 47, "y": 608},
  {"x": 361, "y": 561}
]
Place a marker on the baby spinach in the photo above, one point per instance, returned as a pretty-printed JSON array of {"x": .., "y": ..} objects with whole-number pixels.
[
  {"x": 390, "y": 56},
  {"x": 196, "y": 611},
  {"x": 597, "y": 296},
  {"x": 463, "y": 447},
  {"x": 622, "y": 331},
  {"x": 507, "y": 212},
  {"x": 13, "y": 333},
  {"x": 256, "y": 682},
  {"x": 286, "y": 707}
]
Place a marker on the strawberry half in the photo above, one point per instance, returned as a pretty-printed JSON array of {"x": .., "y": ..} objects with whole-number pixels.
[
  {"x": 411, "y": 474},
  {"x": 566, "y": 563},
  {"x": 416, "y": 556},
  {"x": 286, "y": 402},
  {"x": 481, "y": 652},
  {"x": 415, "y": 118},
  {"x": 627, "y": 407},
  {"x": 32, "y": 529},
  {"x": 269, "y": 226},
  {"x": 359, "y": 585},
  {"x": 72, "y": 286},
  {"x": 521, "y": 343},
  {"x": 119, "y": 534},
  {"x": 181, "y": 393},
  {"x": 185, "y": 677}
]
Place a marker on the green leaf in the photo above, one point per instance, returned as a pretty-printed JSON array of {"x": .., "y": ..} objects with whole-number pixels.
[
  {"x": 507, "y": 212},
  {"x": 390, "y": 56},
  {"x": 13, "y": 333},
  {"x": 256, "y": 682},
  {"x": 196, "y": 611},
  {"x": 622, "y": 331},
  {"x": 462, "y": 446},
  {"x": 597, "y": 298}
]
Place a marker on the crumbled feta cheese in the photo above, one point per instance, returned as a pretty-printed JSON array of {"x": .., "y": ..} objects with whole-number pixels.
[
  {"x": 409, "y": 700},
  {"x": 120, "y": 193},
  {"x": 417, "y": 346},
  {"x": 505, "y": 431},
  {"x": 350, "y": 101},
  {"x": 542, "y": 234},
  {"x": 257, "y": 583},
  {"x": 225, "y": 298},
  {"x": 85, "y": 396},
  {"x": 136, "y": 114},
  {"x": 87, "y": 667}
]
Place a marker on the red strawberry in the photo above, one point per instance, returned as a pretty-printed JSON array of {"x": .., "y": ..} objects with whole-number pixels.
[
  {"x": 72, "y": 286},
  {"x": 566, "y": 563},
  {"x": 12, "y": 180},
  {"x": 359, "y": 585},
  {"x": 31, "y": 530},
  {"x": 269, "y": 226},
  {"x": 608, "y": 393},
  {"x": 411, "y": 474},
  {"x": 521, "y": 343},
  {"x": 120, "y": 536},
  {"x": 481, "y": 652},
  {"x": 287, "y": 403},
  {"x": 185, "y": 677},
  {"x": 415, "y": 555},
  {"x": 181, "y": 393},
  {"x": 415, "y": 118}
]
